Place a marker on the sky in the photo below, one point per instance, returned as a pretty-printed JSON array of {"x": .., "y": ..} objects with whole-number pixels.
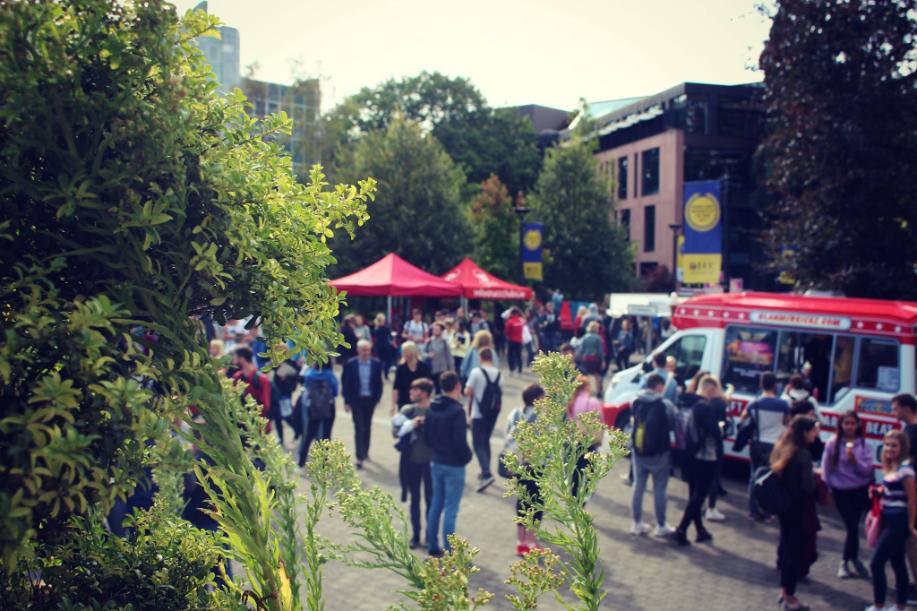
[{"x": 514, "y": 51}]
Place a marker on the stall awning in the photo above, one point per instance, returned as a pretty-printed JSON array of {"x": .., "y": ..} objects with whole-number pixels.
[
  {"x": 478, "y": 284},
  {"x": 392, "y": 276}
]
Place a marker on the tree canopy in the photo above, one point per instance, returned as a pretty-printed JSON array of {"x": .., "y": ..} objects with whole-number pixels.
[
  {"x": 588, "y": 254},
  {"x": 495, "y": 231},
  {"x": 841, "y": 153}
]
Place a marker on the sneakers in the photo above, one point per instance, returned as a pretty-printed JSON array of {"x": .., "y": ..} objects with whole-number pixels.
[
  {"x": 664, "y": 530},
  {"x": 843, "y": 572},
  {"x": 485, "y": 482},
  {"x": 861, "y": 569},
  {"x": 714, "y": 515},
  {"x": 681, "y": 538},
  {"x": 640, "y": 529},
  {"x": 704, "y": 536}
]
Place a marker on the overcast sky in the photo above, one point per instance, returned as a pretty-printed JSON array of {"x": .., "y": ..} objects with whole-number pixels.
[{"x": 547, "y": 52}]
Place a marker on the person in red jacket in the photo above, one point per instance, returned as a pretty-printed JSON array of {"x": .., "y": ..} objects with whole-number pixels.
[
  {"x": 257, "y": 384},
  {"x": 512, "y": 330}
]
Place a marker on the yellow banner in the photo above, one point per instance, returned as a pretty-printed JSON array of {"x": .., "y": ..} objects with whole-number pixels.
[
  {"x": 532, "y": 271},
  {"x": 702, "y": 268}
]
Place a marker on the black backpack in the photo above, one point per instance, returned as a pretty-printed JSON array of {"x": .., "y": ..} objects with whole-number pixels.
[
  {"x": 321, "y": 399},
  {"x": 651, "y": 427},
  {"x": 492, "y": 398},
  {"x": 769, "y": 492}
]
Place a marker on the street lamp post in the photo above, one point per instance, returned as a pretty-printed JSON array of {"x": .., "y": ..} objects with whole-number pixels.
[
  {"x": 675, "y": 227},
  {"x": 521, "y": 211}
]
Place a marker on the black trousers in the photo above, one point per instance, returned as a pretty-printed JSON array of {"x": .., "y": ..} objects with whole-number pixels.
[
  {"x": 514, "y": 356},
  {"x": 851, "y": 504},
  {"x": 700, "y": 477},
  {"x": 789, "y": 551},
  {"x": 891, "y": 546},
  {"x": 418, "y": 476},
  {"x": 481, "y": 430},
  {"x": 315, "y": 429},
  {"x": 362, "y": 411}
]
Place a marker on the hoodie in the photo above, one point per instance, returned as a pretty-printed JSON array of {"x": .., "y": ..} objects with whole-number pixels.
[{"x": 445, "y": 432}]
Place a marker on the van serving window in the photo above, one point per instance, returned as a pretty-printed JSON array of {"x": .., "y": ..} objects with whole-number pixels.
[
  {"x": 878, "y": 365},
  {"x": 749, "y": 353}
]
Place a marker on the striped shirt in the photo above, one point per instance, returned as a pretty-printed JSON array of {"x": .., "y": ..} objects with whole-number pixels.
[{"x": 894, "y": 498}]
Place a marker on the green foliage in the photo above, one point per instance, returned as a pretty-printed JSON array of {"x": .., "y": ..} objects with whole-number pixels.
[
  {"x": 548, "y": 450},
  {"x": 132, "y": 201},
  {"x": 166, "y": 564},
  {"x": 533, "y": 575},
  {"x": 417, "y": 211},
  {"x": 495, "y": 230},
  {"x": 841, "y": 155},
  {"x": 481, "y": 140},
  {"x": 588, "y": 253}
]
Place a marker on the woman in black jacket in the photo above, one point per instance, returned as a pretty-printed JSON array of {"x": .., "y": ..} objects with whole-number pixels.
[
  {"x": 705, "y": 448},
  {"x": 791, "y": 461}
]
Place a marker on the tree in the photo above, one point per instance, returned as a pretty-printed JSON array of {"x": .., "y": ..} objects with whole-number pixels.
[
  {"x": 481, "y": 140},
  {"x": 133, "y": 202},
  {"x": 841, "y": 151},
  {"x": 495, "y": 230},
  {"x": 417, "y": 211},
  {"x": 588, "y": 255}
]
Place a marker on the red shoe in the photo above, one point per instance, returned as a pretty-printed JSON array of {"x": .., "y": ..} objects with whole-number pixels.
[{"x": 522, "y": 550}]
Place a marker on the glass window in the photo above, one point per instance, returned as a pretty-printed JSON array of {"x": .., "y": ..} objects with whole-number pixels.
[
  {"x": 649, "y": 229},
  {"x": 796, "y": 349},
  {"x": 272, "y": 107},
  {"x": 689, "y": 354},
  {"x": 842, "y": 367},
  {"x": 622, "y": 177},
  {"x": 650, "y": 172},
  {"x": 878, "y": 365},
  {"x": 625, "y": 222},
  {"x": 749, "y": 353}
]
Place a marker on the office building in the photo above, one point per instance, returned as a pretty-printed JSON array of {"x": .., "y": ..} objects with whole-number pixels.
[{"x": 222, "y": 54}]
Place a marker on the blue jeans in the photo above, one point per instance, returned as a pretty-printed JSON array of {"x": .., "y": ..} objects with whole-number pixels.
[
  {"x": 448, "y": 485},
  {"x": 658, "y": 466}
]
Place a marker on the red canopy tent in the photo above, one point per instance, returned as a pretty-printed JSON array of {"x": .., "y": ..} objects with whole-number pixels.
[
  {"x": 478, "y": 284},
  {"x": 392, "y": 276}
]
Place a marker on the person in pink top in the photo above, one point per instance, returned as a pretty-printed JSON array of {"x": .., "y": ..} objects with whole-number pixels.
[{"x": 584, "y": 401}]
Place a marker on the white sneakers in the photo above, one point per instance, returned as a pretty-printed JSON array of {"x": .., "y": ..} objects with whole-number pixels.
[
  {"x": 640, "y": 529},
  {"x": 714, "y": 515},
  {"x": 843, "y": 572},
  {"x": 664, "y": 531}
]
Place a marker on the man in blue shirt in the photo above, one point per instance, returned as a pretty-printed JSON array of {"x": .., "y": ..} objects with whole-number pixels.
[
  {"x": 361, "y": 386},
  {"x": 671, "y": 386}
]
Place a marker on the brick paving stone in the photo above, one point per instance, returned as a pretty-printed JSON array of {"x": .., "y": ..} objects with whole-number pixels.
[{"x": 735, "y": 572}]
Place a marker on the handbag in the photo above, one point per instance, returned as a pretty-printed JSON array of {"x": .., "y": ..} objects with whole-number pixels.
[{"x": 874, "y": 517}]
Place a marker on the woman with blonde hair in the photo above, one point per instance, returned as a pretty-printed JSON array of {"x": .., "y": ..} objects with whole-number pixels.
[
  {"x": 791, "y": 461},
  {"x": 482, "y": 339},
  {"x": 409, "y": 369}
]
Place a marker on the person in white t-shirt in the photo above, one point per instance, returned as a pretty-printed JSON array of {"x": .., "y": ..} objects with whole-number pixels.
[
  {"x": 483, "y": 417},
  {"x": 416, "y": 330}
]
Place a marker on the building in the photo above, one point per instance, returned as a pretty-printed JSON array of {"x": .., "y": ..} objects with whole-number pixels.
[
  {"x": 651, "y": 145},
  {"x": 222, "y": 54},
  {"x": 547, "y": 121}
]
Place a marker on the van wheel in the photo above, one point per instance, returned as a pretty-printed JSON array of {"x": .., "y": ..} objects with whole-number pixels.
[{"x": 622, "y": 422}]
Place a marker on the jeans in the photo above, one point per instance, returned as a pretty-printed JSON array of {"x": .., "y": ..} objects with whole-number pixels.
[
  {"x": 759, "y": 453},
  {"x": 658, "y": 466},
  {"x": 789, "y": 550},
  {"x": 481, "y": 430},
  {"x": 362, "y": 410},
  {"x": 701, "y": 474},
  {"x": 418, "y": 476},
  {"x": 891, "y": 546},
  {"x": 313, "y": 430},
  {"x": 514, "y": 356},
  {"x": 448, "y": 484},
  {"x": 851, "y": 504}
]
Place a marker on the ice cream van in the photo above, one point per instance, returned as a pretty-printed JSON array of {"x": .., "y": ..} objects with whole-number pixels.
[{"x": 858, "y": 354}]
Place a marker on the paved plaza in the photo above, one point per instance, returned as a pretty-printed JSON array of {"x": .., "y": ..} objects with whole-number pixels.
[{"x": 736, "y": 572}]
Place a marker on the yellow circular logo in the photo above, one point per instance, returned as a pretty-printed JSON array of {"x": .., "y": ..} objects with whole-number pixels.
[
  {"x": 702, "y": 212},
  {"x": 532, "y": 239}
]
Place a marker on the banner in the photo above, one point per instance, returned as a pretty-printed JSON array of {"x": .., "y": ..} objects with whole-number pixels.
[
  {"x": 703, "y": 248},
  {"x": 532, "y": 240}
]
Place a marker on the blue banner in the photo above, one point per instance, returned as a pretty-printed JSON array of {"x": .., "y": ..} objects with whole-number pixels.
[
  {"x": 532, "y": 243},
  {"x": 703, "y": 231}
]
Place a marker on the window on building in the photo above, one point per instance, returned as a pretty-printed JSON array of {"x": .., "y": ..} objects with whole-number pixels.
[
  {"x": 636, "y": 177},
  {"x": 647, "y": 268},
  {"x": 649, "y": 229},
  {"x": 625, "y": 222},
  {"x": 259, "y": 108},
  {"x": 650, "y": 167},
  {"x": 622, "y": 177},
  {"x": 749, "y": 353}
]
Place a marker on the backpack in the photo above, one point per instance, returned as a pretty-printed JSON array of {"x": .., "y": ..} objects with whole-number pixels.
[
  {"x": 651, "y": 427},
  {"x": 769, "y": 493},
  {"x": 321, "y": 399},
  {"x": 492, "y": 398}
]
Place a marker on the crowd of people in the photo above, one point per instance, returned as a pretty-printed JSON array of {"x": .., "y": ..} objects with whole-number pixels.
[{"x": 446, "y": 379}]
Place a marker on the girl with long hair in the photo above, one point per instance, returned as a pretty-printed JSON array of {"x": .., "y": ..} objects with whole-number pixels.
[
  {"x": 409, "y": 369},
  {"x": 482, "y": 339},
  {"x": 847, "y": 469},
  {"x": 899, "y": 510},
  {"x": 791, "y": 461}
]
